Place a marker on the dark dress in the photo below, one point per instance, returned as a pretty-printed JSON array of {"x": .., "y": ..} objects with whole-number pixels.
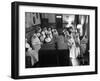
[{"x": 63, "y": 51}]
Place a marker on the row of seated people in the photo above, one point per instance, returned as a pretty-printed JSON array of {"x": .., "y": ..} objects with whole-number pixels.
[{"x": 50, "y": 39}]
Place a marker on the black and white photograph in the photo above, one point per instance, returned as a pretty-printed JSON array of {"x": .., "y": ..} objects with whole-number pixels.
[
  {"x": 56, "y": 40},
  {"x": 50, "y": 40}
]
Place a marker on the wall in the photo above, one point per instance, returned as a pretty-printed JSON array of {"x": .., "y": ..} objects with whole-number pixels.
[
  {"x": 49, "y": 16},
  {"x": 32, "y": 19},
  {"x": 5, "y": 41},
  {"x": 48, "y": 20}
]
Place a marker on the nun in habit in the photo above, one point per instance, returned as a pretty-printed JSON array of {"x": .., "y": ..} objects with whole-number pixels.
[
  {"x": 73, "y": 49},
  {"x": 49, "y": 32},
  {"x": 30, "y": 52},
  {"x": 36, "y": 45}
]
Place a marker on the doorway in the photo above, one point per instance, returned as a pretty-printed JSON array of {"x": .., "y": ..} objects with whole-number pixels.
[{"x": 58, "y": 21}]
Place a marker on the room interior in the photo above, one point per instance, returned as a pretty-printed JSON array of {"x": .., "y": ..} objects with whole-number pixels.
[{"x": 58, "y": 21}]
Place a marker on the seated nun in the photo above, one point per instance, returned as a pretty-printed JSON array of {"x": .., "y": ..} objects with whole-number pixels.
[
  {"x": 32, "y": 53},
  {"x": 42, "y": 37},
  {"x": 38, "y": 34},
  {"x": 48, "y": 38},
  {"x": 38, "y": 31},
  {"x": 52, "y": 29},
  {"x": 45, "y": 30},
  {"x": 43, "y": 34},
  {"x": 50, "y": 33},
  {"x": 36, "y": 44},
  {"x": 49, "y": 30},
  {"x": 55, "y": 32}
]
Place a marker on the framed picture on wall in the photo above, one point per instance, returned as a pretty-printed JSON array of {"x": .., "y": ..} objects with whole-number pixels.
[{"x": 51, "y": 40}]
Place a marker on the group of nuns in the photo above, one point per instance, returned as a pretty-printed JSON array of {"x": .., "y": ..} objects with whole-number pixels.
[
  {"x": 40, "y": 37},
  {"x": 68, "y": 39}
]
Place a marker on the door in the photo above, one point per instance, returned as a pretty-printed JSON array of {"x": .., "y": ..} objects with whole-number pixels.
[{"x": 58, "y": 21}]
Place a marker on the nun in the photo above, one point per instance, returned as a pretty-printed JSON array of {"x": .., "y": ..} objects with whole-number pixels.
[
  {"x": 30, "y": 52},
  {"x": 72, "y": 48},
  {"x": 36, "y": 44}
]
